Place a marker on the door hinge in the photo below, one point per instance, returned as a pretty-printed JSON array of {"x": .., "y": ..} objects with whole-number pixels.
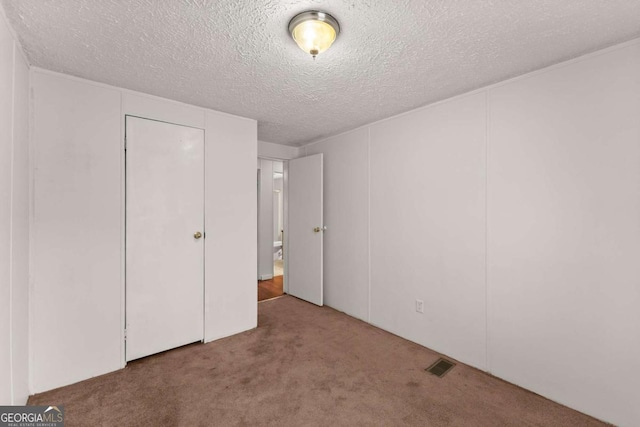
[{"x": 125, "y": 334}]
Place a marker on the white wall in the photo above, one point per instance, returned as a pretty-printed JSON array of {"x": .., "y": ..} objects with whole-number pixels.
[
  {"x": 265, "y": 220},
  {"x": 14, "y": 219},
  {"x": 269, "y": 150},
  {"x": 564, "y": 234},
  {"x": 6, "y": 144},
  {"x": 230, "y": 263},
  {"x": 78, "y": 259},
  {"x": 76, "y": 262},
  {"x": 427, "y": 226},
  {"x": 20, "y": 231},
  {"x": 513, "y": 213}
]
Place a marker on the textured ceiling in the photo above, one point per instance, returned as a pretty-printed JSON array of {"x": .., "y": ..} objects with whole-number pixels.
[{"x": 237, "y": 57}]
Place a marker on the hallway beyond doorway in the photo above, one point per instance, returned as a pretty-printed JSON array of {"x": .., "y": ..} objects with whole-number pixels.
[
  {"x": 268, "y": 289},
  {"x": 278, "y": 267}
]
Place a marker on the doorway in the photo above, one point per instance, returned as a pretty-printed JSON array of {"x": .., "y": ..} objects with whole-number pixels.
[
  {"x": 164, "y": 277},
  {"x": 278, "y": 220},
  {"x": 271, "y": 230},
  {"x": 291, "y": 228}
]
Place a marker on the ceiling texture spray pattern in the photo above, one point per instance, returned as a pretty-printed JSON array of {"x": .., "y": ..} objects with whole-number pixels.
[{"x": 237, "y": 56}]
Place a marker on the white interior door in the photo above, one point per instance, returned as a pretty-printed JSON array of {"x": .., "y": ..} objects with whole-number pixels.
[
  {"x": 164, "y": 254},
  {"x": 306, "y": 228}
]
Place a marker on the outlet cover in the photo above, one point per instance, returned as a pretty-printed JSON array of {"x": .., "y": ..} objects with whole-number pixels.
[{"x": 419, "y": 306}]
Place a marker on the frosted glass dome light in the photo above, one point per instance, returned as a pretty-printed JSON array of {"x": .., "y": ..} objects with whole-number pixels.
[{"x": 314, "y": 31}]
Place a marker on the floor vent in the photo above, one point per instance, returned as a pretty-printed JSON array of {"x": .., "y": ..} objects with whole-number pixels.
[{"x": 440, "y": 368}]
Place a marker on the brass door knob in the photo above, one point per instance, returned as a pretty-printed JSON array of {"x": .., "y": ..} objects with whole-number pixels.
[{"x": 197, "y": 235}]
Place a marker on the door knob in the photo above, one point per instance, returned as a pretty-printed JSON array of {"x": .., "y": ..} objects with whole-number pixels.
[
  {"x": 197, "y": 235},
  {"x": 319, "y": 229}
]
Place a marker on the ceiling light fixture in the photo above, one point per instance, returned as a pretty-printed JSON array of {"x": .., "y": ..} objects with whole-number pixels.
[{"x": 314, "y": 31}]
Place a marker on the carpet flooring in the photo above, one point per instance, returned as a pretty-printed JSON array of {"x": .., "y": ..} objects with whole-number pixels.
[{"x": 303, "y": 366}]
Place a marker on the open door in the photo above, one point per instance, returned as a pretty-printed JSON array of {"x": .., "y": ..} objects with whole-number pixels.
[{"x": 306, "y": 228}]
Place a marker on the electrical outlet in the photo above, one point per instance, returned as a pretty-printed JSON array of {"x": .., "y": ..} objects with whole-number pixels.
[{"x": 419, "y": 306}]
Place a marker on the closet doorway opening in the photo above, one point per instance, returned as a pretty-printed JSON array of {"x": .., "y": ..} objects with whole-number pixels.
[{"x": 271, "y": 229}]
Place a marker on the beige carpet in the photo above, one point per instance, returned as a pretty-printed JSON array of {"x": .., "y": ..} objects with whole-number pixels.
[{"x": 303, "y": 366}]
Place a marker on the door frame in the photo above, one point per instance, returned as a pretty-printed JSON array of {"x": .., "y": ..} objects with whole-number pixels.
[
  {"x": 285, "y": 219},
  {"x": 123, "y": 237}
]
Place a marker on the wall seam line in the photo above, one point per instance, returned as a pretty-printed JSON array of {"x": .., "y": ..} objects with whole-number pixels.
[
  {"x": 11, "y": 221},
  {"x": 369, "y": 221},
  {"x": 205, "y": 294},
  {"x": 123, "y": 233},
  {"x": 31, "y": 258},
  {"x": 486, "y": 231}
]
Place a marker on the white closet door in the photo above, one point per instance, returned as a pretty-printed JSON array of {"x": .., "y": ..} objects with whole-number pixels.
[{"x": 165, "y": 236}]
